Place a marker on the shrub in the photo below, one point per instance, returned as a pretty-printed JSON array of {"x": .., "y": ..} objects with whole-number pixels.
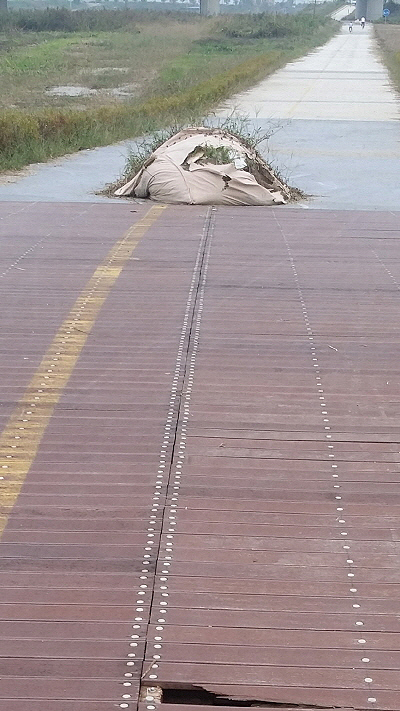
[
  {"x": 63, "y": 20},
  {"x": 268, "y": 25}
]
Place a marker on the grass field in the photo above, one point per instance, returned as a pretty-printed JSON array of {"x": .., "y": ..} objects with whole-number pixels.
[
  {"x": 389, "y": 41},
  {"x": 94, "y": 61},
  {"x": 63, "y": 91}
]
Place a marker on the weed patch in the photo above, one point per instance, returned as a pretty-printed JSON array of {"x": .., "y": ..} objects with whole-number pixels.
[
  {"x": 265, "y": 25},
  {"x": 56, "y": 19}
]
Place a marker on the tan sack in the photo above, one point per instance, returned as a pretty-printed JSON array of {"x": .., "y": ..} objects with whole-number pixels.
[{"x": 179, "y": 172}]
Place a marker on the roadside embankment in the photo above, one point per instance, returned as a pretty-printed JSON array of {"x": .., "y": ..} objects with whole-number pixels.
[{"x": 389, "y": 41}]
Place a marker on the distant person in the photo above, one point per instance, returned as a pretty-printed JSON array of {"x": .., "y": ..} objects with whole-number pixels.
[
  {"x": 350, "y": 27},
  {"x": 362, "y": 22}
]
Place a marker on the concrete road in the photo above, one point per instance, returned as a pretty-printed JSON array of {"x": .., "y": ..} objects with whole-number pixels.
[
  {"x": 343, "y": 80},
  {"x": 337, "y": 115},
  {"x": 342, "y": 12}
]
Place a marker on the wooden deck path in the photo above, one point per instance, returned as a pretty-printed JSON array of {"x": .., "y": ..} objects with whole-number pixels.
[{"x": 200, "y": 458}]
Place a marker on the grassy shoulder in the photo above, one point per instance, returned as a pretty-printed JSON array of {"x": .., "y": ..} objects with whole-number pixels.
[
  {"x": 388, "y": 37},
  {"x": 135, "y": 79}
]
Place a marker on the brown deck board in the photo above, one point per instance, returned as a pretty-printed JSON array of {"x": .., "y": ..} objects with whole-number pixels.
[
  {"x": 225, "y": 516},
  {"x": 316, "y": 677}
]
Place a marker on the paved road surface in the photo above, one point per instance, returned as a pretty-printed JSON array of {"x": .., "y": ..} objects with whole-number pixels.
[
  {"x": 344, "y": 80},
  {"x": 340, "y": 124},
  {"x": 199, "y": 456}
]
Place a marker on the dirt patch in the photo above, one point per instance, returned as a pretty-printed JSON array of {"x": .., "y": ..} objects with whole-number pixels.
[
  {"x": 102, "y": 70},
  {"x": 126, "y": 90},
  {"x": 70, "y": 91},
  {"x": 13, "y": 176}
]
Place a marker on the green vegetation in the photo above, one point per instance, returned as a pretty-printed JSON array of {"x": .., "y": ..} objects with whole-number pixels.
[
  {"x": 268, "y": 25},
  {"x": 153, "y": 71},
  {"x": 130, "y": 59},
  {"x": 63, "y": 20},
  {"x": 389, "y": 41}
]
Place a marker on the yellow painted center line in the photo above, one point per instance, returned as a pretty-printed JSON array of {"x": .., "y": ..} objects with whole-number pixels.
[{"x": 22, "y": 435}]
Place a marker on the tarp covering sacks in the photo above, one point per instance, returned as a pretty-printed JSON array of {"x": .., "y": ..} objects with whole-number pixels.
[{"x": 190, "y": 168}]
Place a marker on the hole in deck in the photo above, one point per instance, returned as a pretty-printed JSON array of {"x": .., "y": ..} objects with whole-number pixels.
[{"x": 196, "y": 696}]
